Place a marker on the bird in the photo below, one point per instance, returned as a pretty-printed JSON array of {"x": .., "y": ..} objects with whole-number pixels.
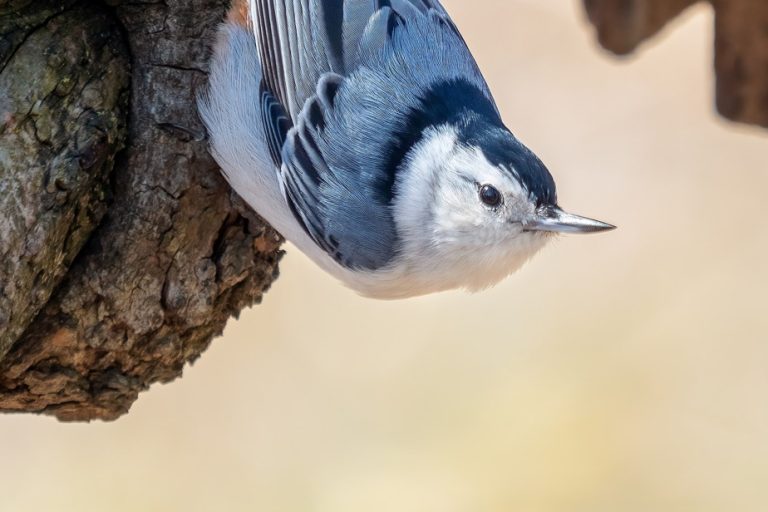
[{"x": 364, "y": 132}]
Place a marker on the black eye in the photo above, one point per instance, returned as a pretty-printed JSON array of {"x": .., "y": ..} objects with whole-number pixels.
[{"x": 490, "y": 196}]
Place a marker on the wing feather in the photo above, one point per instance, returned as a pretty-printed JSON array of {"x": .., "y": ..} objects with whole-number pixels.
[
  {"x": 356, "y": 17},
  {"x": 301, "y": 40}
]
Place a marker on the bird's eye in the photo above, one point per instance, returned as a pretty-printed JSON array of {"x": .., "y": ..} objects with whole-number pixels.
[{"x": 490, "y": 195}]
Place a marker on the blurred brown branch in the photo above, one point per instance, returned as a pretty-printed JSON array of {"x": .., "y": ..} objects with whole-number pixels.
[{"x": 741, "y": 45}]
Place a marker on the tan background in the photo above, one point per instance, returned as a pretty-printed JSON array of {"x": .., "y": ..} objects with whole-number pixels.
[{"x": 618, "y": 373}]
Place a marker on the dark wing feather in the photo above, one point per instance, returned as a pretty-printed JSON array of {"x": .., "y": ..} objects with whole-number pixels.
[{"x": 276, "y": 123}]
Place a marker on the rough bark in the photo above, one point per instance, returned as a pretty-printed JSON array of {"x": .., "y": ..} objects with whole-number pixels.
[
  {"x": 112, "y": 276},
  {"x": 741, "y": 45},
  {"x": 63, "y": 134}
]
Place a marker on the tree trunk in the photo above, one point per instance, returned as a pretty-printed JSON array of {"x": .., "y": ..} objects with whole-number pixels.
[
  {"x": 741, "y": 45},
  {"x": 122, "y": 251}
]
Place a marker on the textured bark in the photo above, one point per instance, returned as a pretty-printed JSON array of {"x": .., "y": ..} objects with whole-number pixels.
[
  {"x": 741, "y": 45},
  {"x": 62, "y": 134},
  {"x": 170, "y": 254}
]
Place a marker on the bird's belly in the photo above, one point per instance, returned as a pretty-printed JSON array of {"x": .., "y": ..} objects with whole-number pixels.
[{"x": 431, "y": 273}]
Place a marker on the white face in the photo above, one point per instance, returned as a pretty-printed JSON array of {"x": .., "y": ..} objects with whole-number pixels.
[{"x": 464, "y": 215}]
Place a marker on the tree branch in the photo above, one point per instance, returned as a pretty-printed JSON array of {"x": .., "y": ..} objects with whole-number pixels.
[{"x": 741, "y": 45}]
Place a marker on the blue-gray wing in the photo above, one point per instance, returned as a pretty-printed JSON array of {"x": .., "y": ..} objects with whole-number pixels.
[
  {"x": 338, "y": 115},
  {"x": 300, "y": 40}
]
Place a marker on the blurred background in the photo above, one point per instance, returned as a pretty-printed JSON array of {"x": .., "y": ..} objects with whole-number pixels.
[{"x": 622, "y": 372}]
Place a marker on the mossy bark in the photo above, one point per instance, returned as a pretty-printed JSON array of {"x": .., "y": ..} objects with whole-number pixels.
[{"x": 122, "y": 251}]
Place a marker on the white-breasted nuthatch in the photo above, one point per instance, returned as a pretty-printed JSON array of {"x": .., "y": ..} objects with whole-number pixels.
[{"x": 363, "y": 131}]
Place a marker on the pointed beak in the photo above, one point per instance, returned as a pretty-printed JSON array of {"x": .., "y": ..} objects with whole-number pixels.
[{"x": 555, "y": 220}]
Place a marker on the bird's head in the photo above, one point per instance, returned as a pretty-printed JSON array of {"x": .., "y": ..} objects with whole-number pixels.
[{"x": 476, "y": 204}]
